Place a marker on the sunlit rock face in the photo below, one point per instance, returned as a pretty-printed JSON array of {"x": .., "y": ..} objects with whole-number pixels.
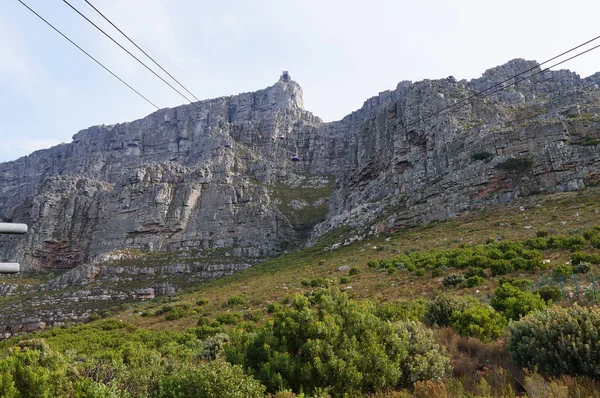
[{"x": 255, "y": 173}]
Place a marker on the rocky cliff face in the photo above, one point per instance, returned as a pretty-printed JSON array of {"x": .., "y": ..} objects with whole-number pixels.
[{"x": 223, "y": 173}]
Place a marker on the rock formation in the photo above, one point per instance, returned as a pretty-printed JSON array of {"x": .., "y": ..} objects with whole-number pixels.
[{"x": 255, "y": 173}]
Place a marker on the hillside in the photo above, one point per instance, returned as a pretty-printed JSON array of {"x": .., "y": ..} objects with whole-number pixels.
[
  {"x": 248, "y": 298},
  {"x": 241, "y": 242}
]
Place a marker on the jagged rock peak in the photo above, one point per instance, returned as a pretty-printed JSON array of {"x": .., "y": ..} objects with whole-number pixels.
[{"x": 286, "y": 93}]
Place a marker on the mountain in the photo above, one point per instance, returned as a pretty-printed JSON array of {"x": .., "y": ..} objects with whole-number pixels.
[{"x": 254, "y": 174}]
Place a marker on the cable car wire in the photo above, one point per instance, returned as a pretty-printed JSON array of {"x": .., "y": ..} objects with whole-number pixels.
[
  {"x": 126, "y": 50},
  {"x": 86, "y": 53},
  {"x": 479, "y": 96},
  {"x": 139, "y": 48}
]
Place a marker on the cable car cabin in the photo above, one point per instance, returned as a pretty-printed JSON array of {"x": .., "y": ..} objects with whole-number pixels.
[
  {"x": 295, "y": 158},
  {"x": 281, "y": 137}
]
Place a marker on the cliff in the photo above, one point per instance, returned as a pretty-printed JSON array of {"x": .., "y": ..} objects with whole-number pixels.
[{"x": 255, "y": 173}]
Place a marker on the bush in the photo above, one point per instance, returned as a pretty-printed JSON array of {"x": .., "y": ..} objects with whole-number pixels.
[
  {"x": 235, "y": 300},
  {"x": 212, "y": 347},
  {"x": 437, "y": 272},
  {"x": 542, "y": 233},
  {"x": 516, "y": 165},
  {"x": 582, "y": 268},
  {"x": 550, "y": 294},
  {"x": 344, "y": 280},
  {"x": 420, "y": 272},
  {"x": 318, "y": 282},
  {"x": 478, "y": 321},
  {"x": 440, "y": 310},
  {"x": 558, "y": 341},
  {"x": 305, "y": 282},
  {"x": 401, "y": 310},
  {"x": 579, "y": 257},
  {"x": 273, "y": 308},
  {"x": 475, "y": 281},
  {"x": 177, "y": 312},
  {"x": 453, "y": 279},
  {"x": 562, "y": 271},
  {"x": 211, "y": 379},
  {"x": 372, "y": 264},
  {"x": 354, "y": 271},
  {"x": 253, "y": 316},
  {"x": 32, "y": 370},
  {"x": 483, "y": 155},
  {"x": 514, "y": 302},
  {"x": 501, "y": 267},
  {"x": 343, "y": 346},
  {"x": 473, "y": 271},
  {"x": 229, "y": 318},
  {"x": 595, "y": 242},
  {"x": 201, "y": 302}
]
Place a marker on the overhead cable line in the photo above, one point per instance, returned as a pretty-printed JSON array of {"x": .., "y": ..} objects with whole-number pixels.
[
  {"x": 86, "y": 53},
  {"x": 139, "y": 48},
  {"x": 479, "y": 95},
  {"x": 126, "y": 50}
]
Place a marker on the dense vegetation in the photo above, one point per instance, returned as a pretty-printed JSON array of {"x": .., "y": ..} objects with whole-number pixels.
[{"x": 491, "y": 309}]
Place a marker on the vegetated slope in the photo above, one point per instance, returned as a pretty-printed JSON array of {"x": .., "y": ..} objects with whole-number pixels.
[
  {"x": 392, "y": 277},
  {"x": 256, "y": 174},
  {"x": 562, "y": 214}
]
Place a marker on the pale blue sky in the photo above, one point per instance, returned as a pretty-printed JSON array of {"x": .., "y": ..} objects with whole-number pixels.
[{"x": 341, "y": 53}]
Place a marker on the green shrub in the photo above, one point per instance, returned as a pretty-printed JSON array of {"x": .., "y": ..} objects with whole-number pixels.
[
  {"x": 550, "y": 294},
  {"x": 538, "y": 243},
  {"x": 558, "y": 341},
  {"x": 204, "y": 331},
  {"x": 211, "y": 379},
  {"x": 579, "y": 257},
  {"x": 235, "y": 300},
  {"x": 401, "y": 310},
  {"x": 345, "y": 279},
  {"x": 32, "y": 369},
  {"x": 420, "y": 272},
  {"x": 201, "y": 302},
  {"x": 473, "y": 271},
  {"x": 501, "y": 267},
  {"x": 454, "y": 279},
  {"x": 354, "y": 271},
  {"x": 437, "y": 272},
  {"x": 562, "y": 271},
  {"x": 575, "y": 243},
  {"x": 305, "y": 282},
  {"x": 318, "y": 282},
  {"x": 516, "y": 165},
  {"x": 595, "y": 241},
  {"x": 229, "y": 318},
  {"x": 514, "y": 302},
  {"x": 273, "y": 308},
  {"x": 475, "y": 281},
  {"x": 392, "y": 270},
  {"x": 483, "y": 155},
  {"x": 212, "y": 347},
  {"x": 342, "y": 346},
  {"x": 177, "y": 312},
  {"x": 582, "y": 268},
  {"x": 478, "y": 321},
  {"x": 253, "y": 316},
  {"x": 441, "y": 308},
  {"x": 542, "y": 233},
  {"x": 372, "y": 264}
]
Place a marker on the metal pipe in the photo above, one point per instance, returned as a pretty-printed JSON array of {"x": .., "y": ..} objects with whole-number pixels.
[
  {"x": 13, "y": 228},
  {"x": 9, "y": 268}
]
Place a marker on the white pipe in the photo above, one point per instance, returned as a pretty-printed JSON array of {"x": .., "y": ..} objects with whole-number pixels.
[
  {"x": 12, "y": 228},
  {"x": 9, "y": 268}
]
